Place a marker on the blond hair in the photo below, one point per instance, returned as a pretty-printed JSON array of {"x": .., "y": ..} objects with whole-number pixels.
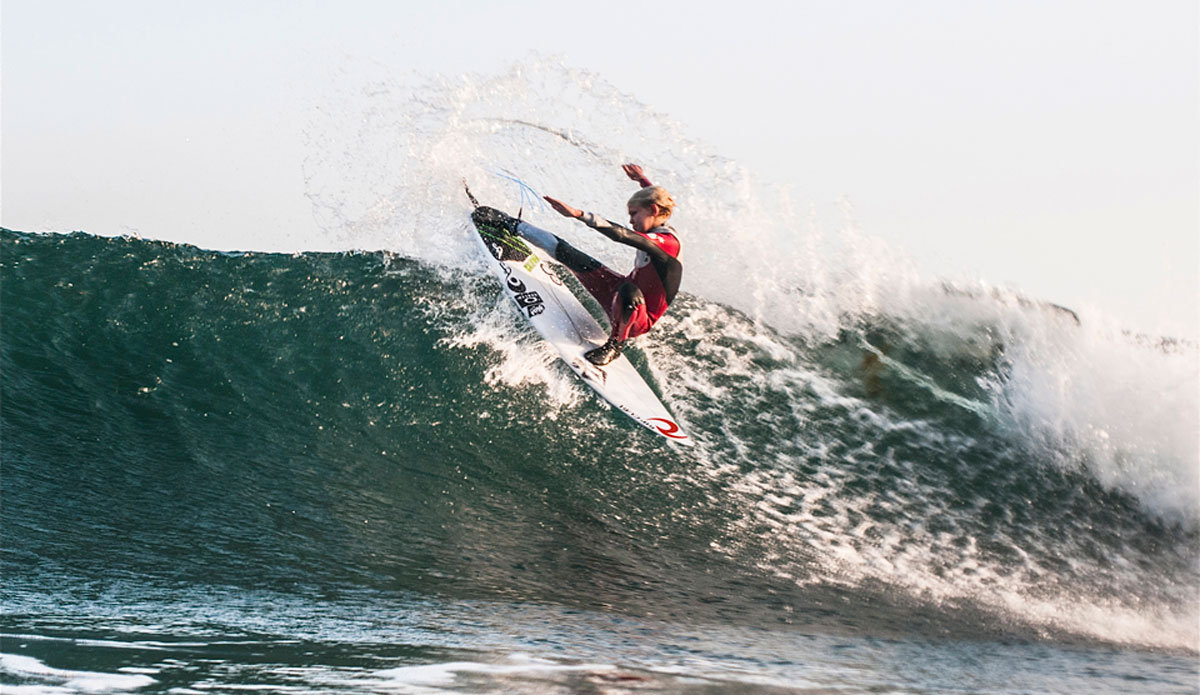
[{"x": 654, "y": 195}]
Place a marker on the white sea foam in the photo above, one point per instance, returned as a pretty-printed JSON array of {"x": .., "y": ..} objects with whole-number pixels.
[
  {"x": 908, "y": 530},
  {"x": 435, "y": 678},
  {"x": 1120, "y": 405},
  {"x": 55, "y": 680},
  {"x": 491, "y": 322}
]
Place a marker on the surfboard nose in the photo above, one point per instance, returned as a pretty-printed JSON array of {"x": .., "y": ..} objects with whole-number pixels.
[{"x": 491, "y": 217}]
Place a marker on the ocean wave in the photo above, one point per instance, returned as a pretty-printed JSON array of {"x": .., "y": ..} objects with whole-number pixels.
[{"x": 376, "y": 420}]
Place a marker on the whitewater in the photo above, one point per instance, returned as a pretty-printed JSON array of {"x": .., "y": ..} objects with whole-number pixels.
[{"x": 345, "y": 464}]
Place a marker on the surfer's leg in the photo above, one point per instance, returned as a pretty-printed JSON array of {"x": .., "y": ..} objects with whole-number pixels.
[
  {"x": 541, "y": 238},
  {"x": 628, "y": 313},
  {"x": 576, "y": 261},
  {"x": 600, "y": 282}
]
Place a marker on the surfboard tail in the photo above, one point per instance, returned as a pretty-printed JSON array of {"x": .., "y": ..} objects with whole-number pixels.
[{"x": 469, "y": 195}]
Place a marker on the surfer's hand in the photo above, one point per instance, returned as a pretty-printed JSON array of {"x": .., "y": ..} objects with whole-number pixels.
[
  {"x": 564, "y": 209},
  {"x": 635, "y": 172}
]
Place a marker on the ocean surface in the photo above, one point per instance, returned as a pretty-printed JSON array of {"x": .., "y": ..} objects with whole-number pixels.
[{"x": 300, "y": 466}]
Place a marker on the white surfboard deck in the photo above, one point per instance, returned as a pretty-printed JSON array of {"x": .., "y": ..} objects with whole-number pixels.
[{"x": 562, "y": 320}]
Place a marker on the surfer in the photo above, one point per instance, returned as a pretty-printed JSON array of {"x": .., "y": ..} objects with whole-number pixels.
[{"x": 633, "y": 302}]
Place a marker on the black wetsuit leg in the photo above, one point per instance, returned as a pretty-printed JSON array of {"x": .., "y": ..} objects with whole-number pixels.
[{"x": 574, "y": 259}]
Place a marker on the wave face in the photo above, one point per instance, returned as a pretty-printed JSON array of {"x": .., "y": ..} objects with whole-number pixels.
[
  {"x": 878, "y": 453},
  {"x": 366, "y": 421}
]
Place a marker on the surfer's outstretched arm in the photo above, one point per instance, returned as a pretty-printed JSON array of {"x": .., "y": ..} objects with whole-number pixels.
[
  {"x": 669, "y": 269},
  {"x": 562, "y": 208},
  {"x": 609, "y": 229}
]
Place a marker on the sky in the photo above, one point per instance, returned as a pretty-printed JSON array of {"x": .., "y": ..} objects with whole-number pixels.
[{"x": 1049, "y": 146}]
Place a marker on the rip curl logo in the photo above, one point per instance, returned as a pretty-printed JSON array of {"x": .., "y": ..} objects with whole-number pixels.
[
  {"x": 667, "y": 428},
  {"x": 528, "y": 300}
]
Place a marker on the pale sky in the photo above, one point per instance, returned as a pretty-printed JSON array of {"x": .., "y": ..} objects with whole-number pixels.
[{"x": 1049, "y": 146}]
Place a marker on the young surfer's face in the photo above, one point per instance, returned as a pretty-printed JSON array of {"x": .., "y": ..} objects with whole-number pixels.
[{"x": 644, "y": 218}]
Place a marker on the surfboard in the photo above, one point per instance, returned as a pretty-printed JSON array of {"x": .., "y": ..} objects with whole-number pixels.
[{"x": 528, "y": 278}]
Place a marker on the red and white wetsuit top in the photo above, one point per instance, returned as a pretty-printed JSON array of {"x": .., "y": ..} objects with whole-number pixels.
[
  {"x": 656, "y": 272},
  {"x": 646, "y": 274}
]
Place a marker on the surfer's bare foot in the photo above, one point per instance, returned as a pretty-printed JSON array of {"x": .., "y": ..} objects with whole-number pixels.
[{"x": 609, "y": 351}]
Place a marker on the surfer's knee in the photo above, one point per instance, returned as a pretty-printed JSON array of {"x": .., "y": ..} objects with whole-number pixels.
[
  {"x": 631, "y": 298},
  {"x": 574, "y": 259}
]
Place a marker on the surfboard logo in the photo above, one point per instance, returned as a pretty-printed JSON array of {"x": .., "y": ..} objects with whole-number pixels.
[
  {"x": 667, "y": 428},
  {"x": 528, "y": 300},
  {"x": 531, "y": 302}
]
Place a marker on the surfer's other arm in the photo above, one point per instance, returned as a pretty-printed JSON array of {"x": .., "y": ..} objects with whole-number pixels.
[{"x": 635, "y": 172}]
